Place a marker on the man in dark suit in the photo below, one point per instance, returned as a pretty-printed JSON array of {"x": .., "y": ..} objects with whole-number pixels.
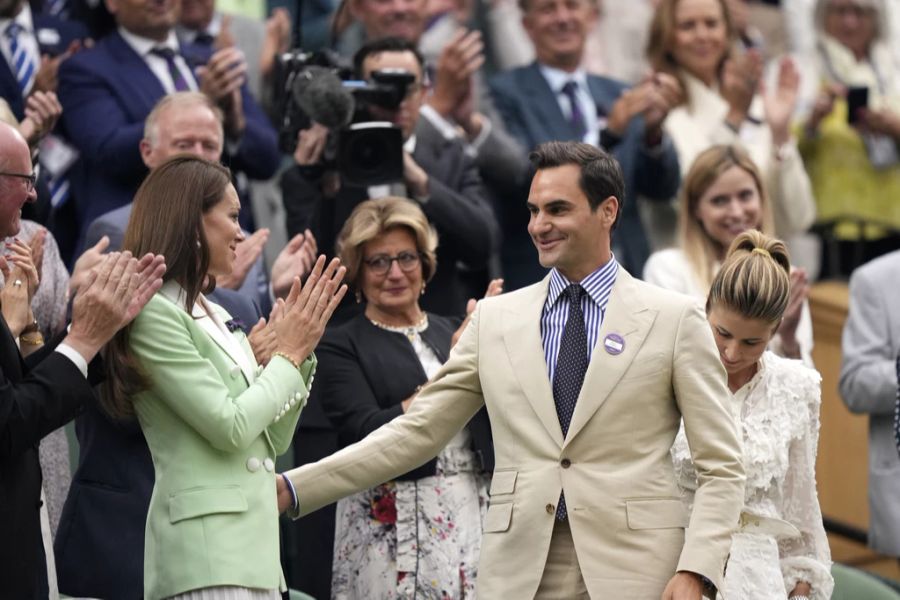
[
  {"x": 438, "y": 174},
  {"x": 554, "y": 99},
  {"x": 108, "y": 91},
  {"x": 47, "y": 390}
]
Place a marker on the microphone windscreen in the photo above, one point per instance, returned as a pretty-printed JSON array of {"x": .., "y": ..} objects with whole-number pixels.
[{"x": 322, "y": 96}]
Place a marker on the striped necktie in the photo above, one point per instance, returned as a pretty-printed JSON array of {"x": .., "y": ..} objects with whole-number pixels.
[
  {"x": 180, "y": 83},
  {"x": 23, "y": 64}
]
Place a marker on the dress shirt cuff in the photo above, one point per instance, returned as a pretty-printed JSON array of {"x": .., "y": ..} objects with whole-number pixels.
[
  {"x": 75, "y": 356},
  {"x": 486, "y": 128},
  {"x": 294, "y": 510}
]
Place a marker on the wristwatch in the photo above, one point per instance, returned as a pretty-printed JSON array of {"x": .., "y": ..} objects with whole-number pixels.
[{"x": 31, "y": 335}]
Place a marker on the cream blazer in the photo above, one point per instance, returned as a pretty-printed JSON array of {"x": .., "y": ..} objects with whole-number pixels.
[{"x": 630, "y": 529}]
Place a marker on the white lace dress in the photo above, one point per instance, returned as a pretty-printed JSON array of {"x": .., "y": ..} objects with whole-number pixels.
[{"x": 780, "y": 540}]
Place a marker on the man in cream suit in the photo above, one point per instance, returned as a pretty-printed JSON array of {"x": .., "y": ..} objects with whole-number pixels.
[{"x": 586, "y": 376}]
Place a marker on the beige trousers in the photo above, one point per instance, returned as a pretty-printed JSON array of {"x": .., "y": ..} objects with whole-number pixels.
[{"x": 562, "y": 575}]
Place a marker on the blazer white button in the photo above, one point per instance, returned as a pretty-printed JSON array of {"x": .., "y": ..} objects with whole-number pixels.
[
  {"x": 235, "y": 371},
  {"x": 269, "y": 464},
  {"x": 298, "y": 396},
  {"x": 253, "y": 464},
  {"x": 292, "y": 402}
]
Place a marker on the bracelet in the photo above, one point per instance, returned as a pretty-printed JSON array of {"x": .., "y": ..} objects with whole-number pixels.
[
  {"x": 32, "y": 338},
  {"x": 295, "y": 504},
  {"x": 798, "y": 598},
  {"x": 287, "y": 358}
]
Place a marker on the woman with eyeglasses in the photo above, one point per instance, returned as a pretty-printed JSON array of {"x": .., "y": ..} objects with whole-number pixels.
[{"x": 419, "y": 535}]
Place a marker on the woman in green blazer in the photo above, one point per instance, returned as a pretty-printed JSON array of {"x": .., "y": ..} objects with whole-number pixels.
[{"x": 214, "y": 418}]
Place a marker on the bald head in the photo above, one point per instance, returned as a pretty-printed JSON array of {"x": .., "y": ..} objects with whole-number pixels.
[{"x": 15, "y": 185}]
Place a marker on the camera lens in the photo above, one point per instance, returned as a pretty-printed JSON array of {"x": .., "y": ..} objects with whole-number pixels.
[{"x": 368, "y": 153}]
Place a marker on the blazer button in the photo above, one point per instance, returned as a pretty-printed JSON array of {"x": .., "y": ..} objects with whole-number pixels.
[
  {"x": 253, "y": 464},
  {"x": 269, "y": 464},
  {"x": 551, "y": 510},
  {"x": 566, "y": 463},
  {"x": 235, "y": 371},
  {"x": 298, "y": 396}
]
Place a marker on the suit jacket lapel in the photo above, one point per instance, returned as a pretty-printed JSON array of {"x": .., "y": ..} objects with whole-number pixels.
[
  {"x": 604, "y": 97},
  {"x": 145, "y": 88},
  {"x": 627, "y": 316},
  {"x": 544, "y": 99},
  {"x": 522, "y": 336}
]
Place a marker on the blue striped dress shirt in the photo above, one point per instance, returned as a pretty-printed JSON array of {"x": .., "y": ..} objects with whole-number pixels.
[{"x": 598, "y": 286}]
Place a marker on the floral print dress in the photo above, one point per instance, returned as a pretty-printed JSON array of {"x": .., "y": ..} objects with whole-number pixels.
[{"x": 414, "y": 539}]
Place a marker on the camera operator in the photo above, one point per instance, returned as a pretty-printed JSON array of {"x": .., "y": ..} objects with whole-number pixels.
[{"x": 437, "y": 174}]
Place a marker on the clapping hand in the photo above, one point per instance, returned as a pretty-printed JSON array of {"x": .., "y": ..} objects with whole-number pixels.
[
  {"x": 495, "y": 288},
  {"x": 295, "y": 260},
  {"x": 20, "y": 284},
  {"x": 247, "y": 252},
  {"x": 459, "y": 61},
  {"x": 740, "y": 81},
  {"x": 42, "y": 111},
  {"x": 262, "y": 337},
  {"x": 653, "y": 98},
  {"x": 221, "y": 79},
  {"x": 781, "y": 102},
  {"x": 788, "y": 328}
]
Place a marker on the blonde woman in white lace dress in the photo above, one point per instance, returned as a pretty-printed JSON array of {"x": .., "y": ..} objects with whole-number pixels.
[{"x": 779, "y": 549}]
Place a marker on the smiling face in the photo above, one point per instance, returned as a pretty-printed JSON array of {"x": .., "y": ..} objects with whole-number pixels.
[
  {"x": 14, "y": 191},
  {"x": 568, "y": 235},
  {"x": 404, "y": 19},
  {"x": 223, "y": 233},
  {"x": 852, "y": 24},
  {"x": 700, "y": 38},
  {"x": 397, "y": 291},
  {"x": 740, "y": 341},
  {"x": 152, "y": 19},
  {"x": 558, "y": 29},
  {"x": 730, "y": 206}
]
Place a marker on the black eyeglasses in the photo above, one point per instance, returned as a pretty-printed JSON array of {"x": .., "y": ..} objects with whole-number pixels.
[
  {"x": 29, "y": 179},
  {"x": 380, "y": 264}
]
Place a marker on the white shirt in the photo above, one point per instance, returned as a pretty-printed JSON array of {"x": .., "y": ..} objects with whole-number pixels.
[
  {"x": 158, "y": 64},
  {"x": 26, "y": 38},
  {"x": 557, "y": 79}
]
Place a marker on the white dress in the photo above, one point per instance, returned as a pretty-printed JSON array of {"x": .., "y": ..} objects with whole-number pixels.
[
  {"x": 780, "y": 540},
  {"x": 669, "y": 269}
]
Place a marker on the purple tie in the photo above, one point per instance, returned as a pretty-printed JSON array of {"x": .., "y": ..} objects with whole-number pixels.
[
  {"x": 576, "y": 120},
  {"x": 181, "y": 85}
]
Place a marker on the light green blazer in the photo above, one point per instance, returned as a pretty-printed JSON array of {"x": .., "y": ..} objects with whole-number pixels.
[{"x": 214, "y": 421}]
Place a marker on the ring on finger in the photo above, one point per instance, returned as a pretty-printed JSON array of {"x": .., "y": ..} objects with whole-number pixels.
[{"x": 17, "y": 283}]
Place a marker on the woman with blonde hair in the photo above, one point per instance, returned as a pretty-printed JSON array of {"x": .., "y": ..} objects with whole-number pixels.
[
  {"x": 695, "y": 40},
  {"x": 779, "y": 549},
  {"x": 722, "y": 196}
]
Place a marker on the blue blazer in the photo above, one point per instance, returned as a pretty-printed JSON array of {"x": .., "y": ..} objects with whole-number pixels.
[
  {"x": 53, "y": 36},
  {"x": 106, "y": 93},
  {"x": 531, "y": 112}
]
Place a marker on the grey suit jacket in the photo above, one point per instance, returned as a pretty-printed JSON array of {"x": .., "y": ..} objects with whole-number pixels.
[
  {"x": 113, "y": 224},
  {"x": 868, "y": 385}
]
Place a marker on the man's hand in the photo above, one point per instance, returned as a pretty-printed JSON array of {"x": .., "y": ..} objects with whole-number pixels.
[
  {"x": 310, "y": 145},
  {"x": 683, "y": 586},
  {"x": 20, "y": 258},
  {"x": 225, "y": 39},
  {"x": 781, "y": 102},
  {"x": 495, "y": 288},
  {"x": 295, "y": 260},
  {"x": 221, "y": 79},
  {"x": 415, "y": 177},
  {"x": 91, "y": 257},
  {"x": 42, "y": 111},
  {"x": 47, "y": 79},
  {"x": 113, "y": 294},
  {"x": 653, "y": 98},
  {"x": 36, "y": 243},
  {"x": 276, "y": 41},
  {"x": 247, "y": 251},
  {"x": 452, "y": 96}
]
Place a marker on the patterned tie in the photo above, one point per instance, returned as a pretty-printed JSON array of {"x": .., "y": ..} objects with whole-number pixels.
[
  {"x": 571, "y": 365},
  {"x": 22, "y": 62},
  {"x": 576, "y": 119},
  {"x": 181, "y": 85}
]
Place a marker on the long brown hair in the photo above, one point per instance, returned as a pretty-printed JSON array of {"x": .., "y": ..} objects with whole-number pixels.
[{"x": 166, "y": 219}]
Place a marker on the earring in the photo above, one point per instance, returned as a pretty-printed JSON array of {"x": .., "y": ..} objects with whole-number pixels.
[
  {"x": 358, "y": 297},
  {"x": 422, "y": 293},
  {"x": 198, "y": 244}
]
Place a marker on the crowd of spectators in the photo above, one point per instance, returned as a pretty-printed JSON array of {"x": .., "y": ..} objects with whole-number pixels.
[{"x": 724, "y": 115}]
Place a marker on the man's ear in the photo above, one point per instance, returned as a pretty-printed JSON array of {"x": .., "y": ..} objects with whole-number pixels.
[
  {"x": 145, "y": 147},
  {"x": 610, "y": 210}
]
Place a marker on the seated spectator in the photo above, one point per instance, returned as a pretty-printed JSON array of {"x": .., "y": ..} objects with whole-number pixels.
[
  {"x": 107, "y": 91},
  {"x": 694, "y": 40},
  {"x": 51, "y": 387},
  {"x": 723, "y": 195},
  {"x": 370, "y": 370},
  {"x": 852, "y": 159},
  {"x": 437, "y": 174},
  {"x": 868, "y": 385},
  {"x": 779, "y": 549},
  {"x": 555, "y": 99}
]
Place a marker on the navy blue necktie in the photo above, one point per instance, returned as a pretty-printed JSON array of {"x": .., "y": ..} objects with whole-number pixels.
[
  {"x": 571, "y": 365},
  {"x": 178, "y": 80},
  {"x": 576, "y": 119}
]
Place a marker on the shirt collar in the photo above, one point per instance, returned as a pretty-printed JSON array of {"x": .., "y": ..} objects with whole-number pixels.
[
  {"x": 410, "y": 144},
  {"x": 597, "y": 285},
  {"x": 557, "y": 78},
  {"x": 23, "y": 19},
  {"x": 143, "y": 45}
]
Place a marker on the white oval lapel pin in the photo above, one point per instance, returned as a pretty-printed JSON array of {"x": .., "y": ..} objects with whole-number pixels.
[{"x": 614, "y": 344}]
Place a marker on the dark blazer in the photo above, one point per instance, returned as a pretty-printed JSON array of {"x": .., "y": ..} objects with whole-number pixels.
[
  {"x": 107, "y": 92},
  {"x": 532, "y": 115},
  {"x": 365, "y": 372},
  {"x": 37, "y": 396},
  {"x": 457, "y": 207},
  {"x": 99, "y": 545},
  {"x": 53, "y": 36}
]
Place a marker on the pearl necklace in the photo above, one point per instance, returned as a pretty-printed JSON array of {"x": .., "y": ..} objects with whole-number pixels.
[{"x": 410, "y": 331}]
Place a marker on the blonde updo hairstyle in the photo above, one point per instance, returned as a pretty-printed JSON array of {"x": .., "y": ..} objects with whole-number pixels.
[
  {"x": 755, "y": 279},
  {"x": 373, "y": 218}
]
